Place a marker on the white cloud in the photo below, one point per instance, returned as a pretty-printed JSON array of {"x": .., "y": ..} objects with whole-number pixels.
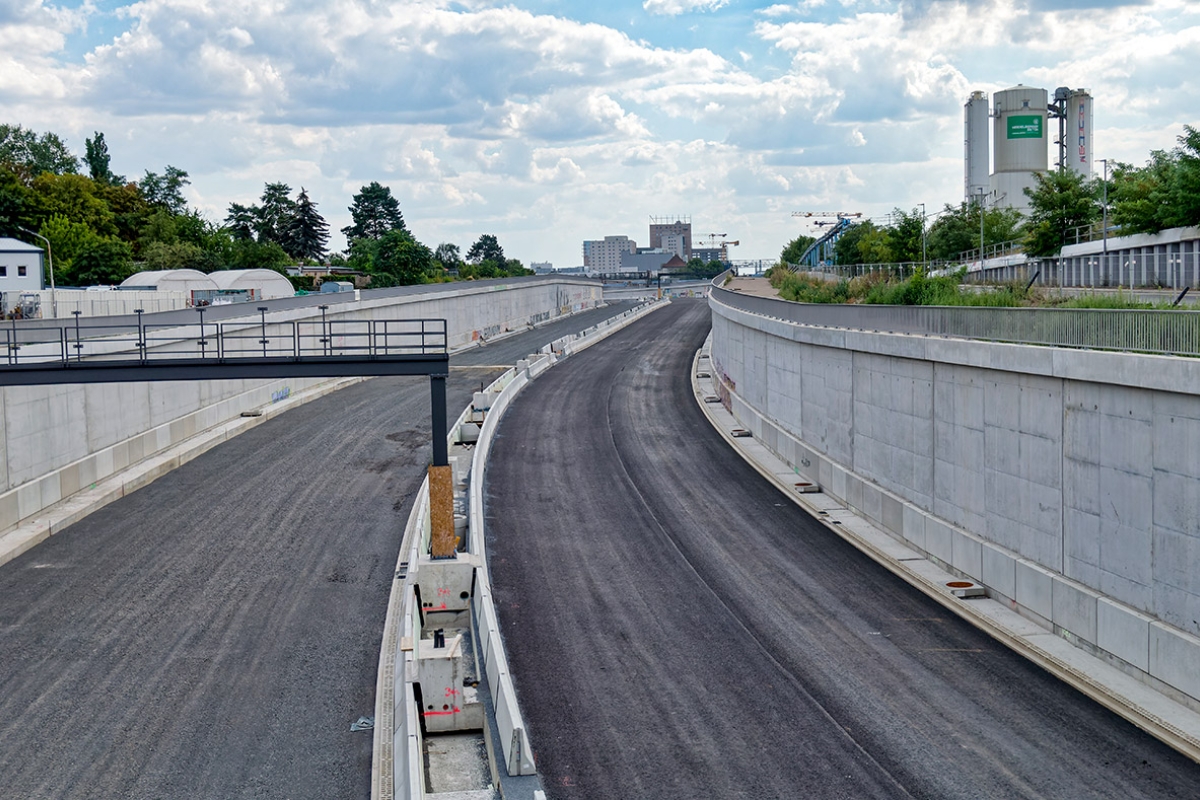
[
  {"x": 485, "y": 117},
  {"x": 676, "y": 7}
]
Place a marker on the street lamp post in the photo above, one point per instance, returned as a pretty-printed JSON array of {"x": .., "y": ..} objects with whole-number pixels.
[
  {"x": 924, "y": 257},
  {"x": 50, "y": 259},
  {"x": 1104, "y": 211},
  {"x": 981, "y": 209}
]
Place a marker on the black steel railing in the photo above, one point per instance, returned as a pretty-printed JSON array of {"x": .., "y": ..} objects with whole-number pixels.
[{"x": 224, "y": 342}]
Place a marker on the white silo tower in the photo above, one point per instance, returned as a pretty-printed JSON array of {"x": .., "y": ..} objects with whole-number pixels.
[
  {"x": 976, "y": 146},
  {"x": 1019, "y": 142},
  {"x": 1079, "y": 132}
]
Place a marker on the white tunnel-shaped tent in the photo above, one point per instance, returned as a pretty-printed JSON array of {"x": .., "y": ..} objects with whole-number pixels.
[
  {"x": 171, "y": 280},
  {"x": 266, "y": 284}
]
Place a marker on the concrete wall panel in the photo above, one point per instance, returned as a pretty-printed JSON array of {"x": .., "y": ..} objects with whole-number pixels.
[{"x": 1067, "y": 481}]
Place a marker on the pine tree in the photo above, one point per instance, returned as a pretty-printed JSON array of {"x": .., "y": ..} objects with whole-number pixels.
[
  {"x": 306, "y": 232},
  {"x": 375, "y": 212},
  {"x": 271, "y": 218}
]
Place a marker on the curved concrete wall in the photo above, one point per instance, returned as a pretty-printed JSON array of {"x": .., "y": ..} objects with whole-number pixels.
[
  {"x": 57, "y": 440},
  {"x": 1066, "y": 481}
]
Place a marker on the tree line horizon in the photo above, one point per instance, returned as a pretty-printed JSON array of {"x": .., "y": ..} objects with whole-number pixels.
[{"x": 103, "y": 227}]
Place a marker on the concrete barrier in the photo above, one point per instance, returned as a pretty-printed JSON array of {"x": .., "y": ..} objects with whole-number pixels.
[
  {"x": 1064, "y": 481},
  {"x": 397, "y": 766}
]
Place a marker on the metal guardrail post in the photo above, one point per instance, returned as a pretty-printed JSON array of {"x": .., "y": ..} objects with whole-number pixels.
[
  {"x": 141, "y": 344},
  {"x": 78, "y": 338},
  {"x": 262, "y": 310},
  {"x": 325, "y": 337},
  {"x": 202, "y": 342}
]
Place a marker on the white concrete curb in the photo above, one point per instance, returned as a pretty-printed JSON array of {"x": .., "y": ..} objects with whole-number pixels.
[{"x": 396, "y": 768}]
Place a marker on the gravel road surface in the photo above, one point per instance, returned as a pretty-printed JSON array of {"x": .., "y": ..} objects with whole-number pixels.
[
  {"x": 677, "y": 628},
  {"x": 214, "y": 634}
]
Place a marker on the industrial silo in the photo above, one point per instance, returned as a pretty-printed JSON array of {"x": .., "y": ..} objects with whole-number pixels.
[
  {"x": 975, "y": 122},
  {"x": 1079, "y": 132},
  {"x": 1019, "y": 143}
]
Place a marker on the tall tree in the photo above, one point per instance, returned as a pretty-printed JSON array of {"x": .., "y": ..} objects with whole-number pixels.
[
  {"x": 35, "y": 154},
  {"x": 794, "y": 250},
  {"x": 306, "y": 232},
  {"x": 1060, "y": 202},
  {"x": 486, "y": 248},
  {"x": 98, "y": 160},
  {"x": 15, "y": 203},
  {"x": 166, "y": 190},
  {"x": 1163, "y": 194},
  {"x": 273, "y": 216},
  {"x": 906, "y": 235},
  {"x": 402, "y": 258},
  {"x": 240, "y": 222},
  {"x": 448, "y": 255},
  {"x": 375, "y": 212}
]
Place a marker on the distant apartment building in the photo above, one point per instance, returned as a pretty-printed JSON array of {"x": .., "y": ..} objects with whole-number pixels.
[
  {"x": 604, "y": 255},
  {"x": 661, "y": 227},
  {"x": 675, "y": 243},
  {"x": 542, "y": 267}
]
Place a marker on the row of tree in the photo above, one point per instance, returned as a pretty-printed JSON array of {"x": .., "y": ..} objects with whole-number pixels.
[
  {"x": 1165, "y": 193},
  {"x": 103, "y": 227}
]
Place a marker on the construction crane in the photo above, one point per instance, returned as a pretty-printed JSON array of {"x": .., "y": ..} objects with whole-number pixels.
[
  {"x": 837, "y": 216},
  {"x": 717, "y": 241}
]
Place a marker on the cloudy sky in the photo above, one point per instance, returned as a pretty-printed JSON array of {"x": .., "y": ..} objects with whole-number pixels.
[{"x": 547, "y": 122}]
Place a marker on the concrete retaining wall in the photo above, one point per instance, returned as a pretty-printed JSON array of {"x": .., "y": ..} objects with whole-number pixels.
[
  {"x": 56, "y": 440},
  {"x": 1068, "y": 482}
]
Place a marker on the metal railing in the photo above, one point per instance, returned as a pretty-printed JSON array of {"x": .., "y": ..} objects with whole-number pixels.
[
  {"x": 1170, "y": 332},
  {"x": 224, "y": 342}
]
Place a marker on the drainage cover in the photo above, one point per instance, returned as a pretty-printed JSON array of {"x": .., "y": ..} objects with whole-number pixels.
[
  {"x": 965, "y": 589},
  {"x": 739, "y": 433}
]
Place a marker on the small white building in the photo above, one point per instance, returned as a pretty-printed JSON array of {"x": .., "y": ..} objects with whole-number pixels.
[
  {"x": 21, "y": 266},
  {"x": 263, "y": 284},
  {"x": 175, "y": 280}
]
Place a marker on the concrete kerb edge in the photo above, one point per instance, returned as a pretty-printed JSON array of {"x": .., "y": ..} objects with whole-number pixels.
[
  {"x": 383, "y": 762},
  {"x": 1142, "y": 718},
  {"x": 69, "y": 510}
]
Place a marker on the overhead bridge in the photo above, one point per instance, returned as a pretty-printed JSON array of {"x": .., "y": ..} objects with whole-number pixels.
[{"x": 325, "y": 348}]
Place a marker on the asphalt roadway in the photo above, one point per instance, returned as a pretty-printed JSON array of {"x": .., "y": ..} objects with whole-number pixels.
[
  {"x": 677, "y": 628},
  {"x": 215, "y": 634}
]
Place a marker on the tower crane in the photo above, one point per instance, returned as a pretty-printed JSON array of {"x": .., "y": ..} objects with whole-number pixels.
[
  {"x": 717, "y": 240},
  {"x": 837, "y": 216},
  {"x": 820, "y": 253}
]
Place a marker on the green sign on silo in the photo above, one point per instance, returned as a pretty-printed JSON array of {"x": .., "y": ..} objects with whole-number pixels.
[{"x": 1025, "y": 126}]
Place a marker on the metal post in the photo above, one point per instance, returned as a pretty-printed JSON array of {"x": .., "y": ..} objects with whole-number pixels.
[
  {"x": 50, "y": 259},
  {"x": 437, "y": 396},
  {"x": 78, "y": 338},
  {"x": 924, "y": 257},
  {"x": 141, "y": 335},
  {"x": 202, "y": 342},
  {"x": 1104, "y": 224},
  {"x": 981, "y": 207},
  {"x": 262, "y": 310},
  {"x": 324, "y": 331}
]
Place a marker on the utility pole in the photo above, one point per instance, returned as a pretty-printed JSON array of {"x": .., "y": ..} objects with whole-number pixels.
[
  {"x": 50, "y": 259},
  {"x": 982, "y": 208},
  {"x": 1104, "y": 223},
  {"x": 924, "y": 258}
]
